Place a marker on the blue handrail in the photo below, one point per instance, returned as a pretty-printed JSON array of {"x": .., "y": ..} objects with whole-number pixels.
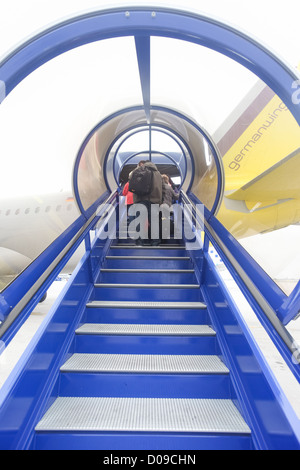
[
  {"x": 262, "y": 293},
  {"x": 19, "y": 299}
]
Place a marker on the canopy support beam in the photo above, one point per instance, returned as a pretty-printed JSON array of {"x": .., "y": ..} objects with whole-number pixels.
[{"x": 142, "y": 44}]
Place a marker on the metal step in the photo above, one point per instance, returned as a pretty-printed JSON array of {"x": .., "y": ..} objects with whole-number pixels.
[
  {"x": 163, "y": 247},
  {"x": 141, "y": 329},
  {"x": 162, "y": 258},
  {"x": 154, "y": 271},
  {"x": 145, "y": 363},
  {"x": 149, "y": 286},
  {"x": 143, "y": 415},
  {"x": 140, "y": 305}
]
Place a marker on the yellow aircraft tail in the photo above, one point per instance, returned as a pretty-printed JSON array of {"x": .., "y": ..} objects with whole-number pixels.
[{"x": 261, "y": 157}]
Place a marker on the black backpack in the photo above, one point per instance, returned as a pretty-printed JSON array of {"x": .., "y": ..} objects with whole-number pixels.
[{"x": 140, "y": 182}]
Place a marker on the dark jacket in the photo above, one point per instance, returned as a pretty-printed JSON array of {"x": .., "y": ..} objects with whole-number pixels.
[
  {"x": 156, "y": 194},
  {"x": 169, "y": 194}
]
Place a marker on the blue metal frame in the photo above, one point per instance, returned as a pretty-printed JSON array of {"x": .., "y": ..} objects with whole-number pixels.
[
  {"x": 37, "y": 383},
  {"x": 290, "y": 308},
  {"x": 165, "y": 22},
  {"x": 217, "y": 157},
  {"x": 153, "y": 152},
  {"x": 240, "y": 352},
  {"x": 135, "y": 129},
  {"x": 142, "y": 45},
  {"x": 35, "y": 386},
  {"x": 267, "y": 299},
  {"x": 275, "y": 425},
  {"x": 176, "y": 24},
  {"x": 25, "y": 283},
  {"x": 155, "y": 128}
]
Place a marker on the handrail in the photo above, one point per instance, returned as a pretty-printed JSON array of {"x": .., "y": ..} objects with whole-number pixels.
[
  {"x": 22, "y": 295},
  {"x": 282, "y": 339}
]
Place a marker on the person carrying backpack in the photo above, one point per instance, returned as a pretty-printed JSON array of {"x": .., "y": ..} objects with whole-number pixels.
[
  {"x": 169, "y": 196},
  {"x": 146, "y": 184}
]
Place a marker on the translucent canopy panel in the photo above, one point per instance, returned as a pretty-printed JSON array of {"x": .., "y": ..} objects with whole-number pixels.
[
  {"x": 52, "y": 116},
  {"x": 202, "y": 176},
  {"x": 44, "y": 121},
  {"x": 99, "y": 156},
  {"x": 201, "y": 83},
  {"x": 96, "y": 157},
  {"x": 150, "y": 144}
]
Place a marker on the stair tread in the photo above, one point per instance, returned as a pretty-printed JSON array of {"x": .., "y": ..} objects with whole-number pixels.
[
  {"x": 145, "y": 270},
  {"x": 141, "y": 304},
  {"x": 145, "y": 363},
  {"x": 148, "y": 258},
  {"x": 143, "y": 415},
  {"x": 145, "y": 329},
  {"x": 159, "y": 247},
  {"x": 150, "y": 286}
]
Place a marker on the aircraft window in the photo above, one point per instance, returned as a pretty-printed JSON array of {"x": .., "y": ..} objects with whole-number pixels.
[
  {"x": 27, "y": 210},
  {"x": 37, "y": 210},
  {"x": 69, "y": 207},
  {"x": 58, "y": 208},
  {"x": 17, "y": 212},
  {"x": 7, "y": 212},
  {"x": 48, "y": 208}
]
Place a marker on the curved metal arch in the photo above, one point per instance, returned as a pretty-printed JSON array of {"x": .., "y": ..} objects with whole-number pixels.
[
  {"x": 154, "y": 152},
  {"x": 214, "y": 149},
  {"x": 135, "y": 21},
  {"x": 156, "y": 128},
  {"x": 139, "y": 128}
]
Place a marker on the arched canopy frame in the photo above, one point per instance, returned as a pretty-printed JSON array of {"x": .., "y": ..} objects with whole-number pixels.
[
  {"x": 146, "y": 22},
  {"x": 150, "y": 129},
  {"x": 129, "y": 131},
  {"x": 163, "y": 154},
  {"x": 142, "y": 23}
]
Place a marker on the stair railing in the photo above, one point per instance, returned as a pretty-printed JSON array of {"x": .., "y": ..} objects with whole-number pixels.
[
  {"x": 21, "y": 296},
  {"x": 262, "y": 293}
]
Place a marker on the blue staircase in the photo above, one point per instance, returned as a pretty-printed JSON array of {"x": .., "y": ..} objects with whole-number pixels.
[
  {"x": 146, "y": 370},
  {"x": 144, "y": 350}
]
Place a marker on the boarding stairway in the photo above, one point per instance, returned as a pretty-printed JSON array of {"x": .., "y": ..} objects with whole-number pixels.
[
  {"x": 146, "y": 365},
  {"x": 144, "y": 349}
]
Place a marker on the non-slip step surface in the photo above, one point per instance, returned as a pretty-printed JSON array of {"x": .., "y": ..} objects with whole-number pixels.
[
  {"x": 148, "y": 258},
  {"x": 159, "y": 247},
  {"x": 149, "y": 286},
  {"x": 137, "y": 305},
  {"x": 144, "y": 329},
  {"x": 145, "y": 363},
  {"x": 154, "y": 271},
  {"x": 143, "y": 415}
]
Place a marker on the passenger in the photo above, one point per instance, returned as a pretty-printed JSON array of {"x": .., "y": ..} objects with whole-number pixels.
[
  {"x": 128, "y": 201},
  {"x": 128, "y": 194},
  {"x": 148, "y": 200},
  {"x": 138, "y": 165},
  {"x": 169, "y": 196}
]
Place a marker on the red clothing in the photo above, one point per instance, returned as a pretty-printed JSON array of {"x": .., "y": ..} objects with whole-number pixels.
[{"x": 128, "y": 194}]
